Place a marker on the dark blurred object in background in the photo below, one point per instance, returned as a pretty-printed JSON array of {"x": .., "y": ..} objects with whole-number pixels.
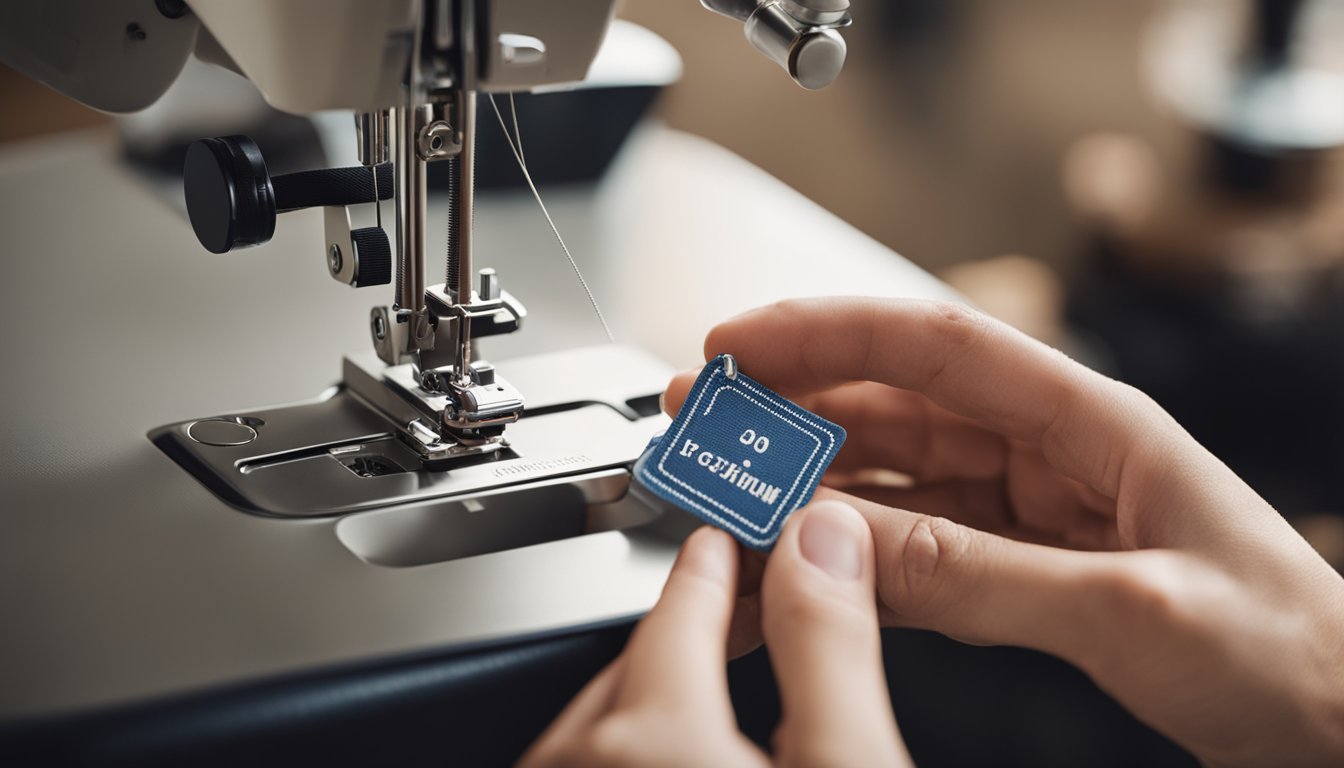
[
  {"x": 1218, "y": 287},
  {"x": 568, "y": 137}
]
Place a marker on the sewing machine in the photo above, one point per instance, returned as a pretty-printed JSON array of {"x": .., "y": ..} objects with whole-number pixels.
[
  {"x": 430, "y": 506},
  {"x": 427, "y": 418}
]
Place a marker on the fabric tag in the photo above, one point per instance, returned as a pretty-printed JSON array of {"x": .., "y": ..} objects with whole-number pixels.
[{"x": 739, "y": 456}]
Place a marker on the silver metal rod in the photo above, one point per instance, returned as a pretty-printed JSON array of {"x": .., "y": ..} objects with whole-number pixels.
[
  {"x": 411, "y": 192},
  {"x": 417, "y": 334},
  {"x": 465, "y": 200},
  {"x": 398, "y": 195},
  {"x": 371, "y": 128}
]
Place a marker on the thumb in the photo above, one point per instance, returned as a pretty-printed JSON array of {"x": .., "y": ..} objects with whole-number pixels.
[
  {"x": 819, "y": 618},
  {"x": 981, "y": 588}
]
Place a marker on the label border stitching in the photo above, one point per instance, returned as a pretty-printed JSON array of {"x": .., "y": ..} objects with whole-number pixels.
[
  {"x": 645, "y": 471},
  {"x": 793, "y": 487}
]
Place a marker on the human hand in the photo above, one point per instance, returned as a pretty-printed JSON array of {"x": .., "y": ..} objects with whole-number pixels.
[
  {"x": 664, "y": 700},
  {"x": 1056, "y": 509}
]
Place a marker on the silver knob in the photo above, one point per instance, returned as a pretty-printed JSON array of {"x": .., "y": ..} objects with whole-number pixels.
[
  {"x": 813, "y": 56},
  {"x": 818, "y": 59}
]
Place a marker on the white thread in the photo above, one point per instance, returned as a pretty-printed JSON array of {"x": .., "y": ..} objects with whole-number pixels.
[
  {"x": 522, "y": 164},
  {"x": 517, "y": 134}
]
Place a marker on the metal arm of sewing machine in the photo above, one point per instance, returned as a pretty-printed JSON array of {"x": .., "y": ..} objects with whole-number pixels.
[
  {"x": 444, "y": 401},
  {"x": 233, "y": 202},
  {"x": 802, "y": 36}
]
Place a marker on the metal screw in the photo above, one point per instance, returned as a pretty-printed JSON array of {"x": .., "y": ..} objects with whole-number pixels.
[
  {"x": 435, "y": 140},
  {"x": 334, "y": 260},
  {"x": 379, "y": 327}
]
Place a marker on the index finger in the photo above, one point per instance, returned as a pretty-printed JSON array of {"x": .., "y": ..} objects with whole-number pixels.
[
  {"x": 677, "y": 655},
  {"x": 961, "y": 359}
]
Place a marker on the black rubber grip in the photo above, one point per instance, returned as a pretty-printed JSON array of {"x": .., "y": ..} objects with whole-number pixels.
[
  {"x": 228, "y": 192},
  {"x": 373, "y": 257},
  {"x": 331, "y": 186}
]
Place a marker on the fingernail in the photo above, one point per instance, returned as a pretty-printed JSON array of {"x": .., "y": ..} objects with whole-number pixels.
[{"x": 830, "y": 539}]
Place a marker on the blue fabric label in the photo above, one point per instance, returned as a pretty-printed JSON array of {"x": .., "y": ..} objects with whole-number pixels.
[{"x": 739, "y": 456}]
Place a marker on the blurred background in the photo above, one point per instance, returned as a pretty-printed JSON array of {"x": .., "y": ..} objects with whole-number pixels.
[{"x": 1155, "y": 186}]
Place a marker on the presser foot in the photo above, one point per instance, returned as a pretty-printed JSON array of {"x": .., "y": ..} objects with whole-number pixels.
[
  {"x": 370, "y": 444},
  {"x": 443, "y": 420}
]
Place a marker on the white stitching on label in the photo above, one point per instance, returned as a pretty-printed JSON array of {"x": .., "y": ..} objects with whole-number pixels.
[
  {"x": 783, "y": 502},
  {"x": 784, "y": 406}
]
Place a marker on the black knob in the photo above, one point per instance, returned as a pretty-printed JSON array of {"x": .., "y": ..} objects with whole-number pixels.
[
  {"x": 232, "y": 200},
  {"x": 373, "y": 257},
  {"x": 229, "y": 195}
]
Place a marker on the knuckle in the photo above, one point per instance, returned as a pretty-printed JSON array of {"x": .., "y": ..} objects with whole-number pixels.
[
  {"x": 1136, "y": 401},
  {"x": 958, "y": 323},
  {"x": 1154, "y": 604},
  {"x": 1139, "y": 432},
  {"x": 613, "y": 741},
  {"x": 1149, "y": 444},
  {"x": 930, "y": 547},
  {"x": 959, "y": 329},
  {"x": 1136, "y": 407},
  {"x": 1149, "y": 590}
]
